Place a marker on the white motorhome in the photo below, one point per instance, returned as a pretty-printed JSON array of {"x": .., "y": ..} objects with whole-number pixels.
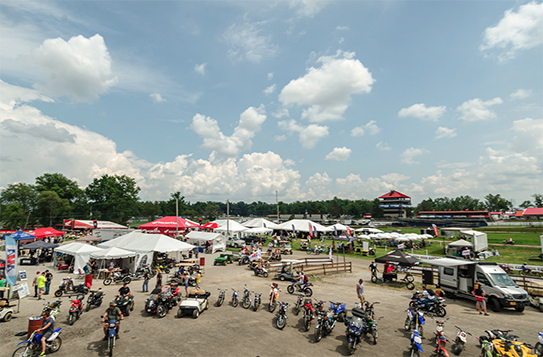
[{"x": 457, "y": 278}]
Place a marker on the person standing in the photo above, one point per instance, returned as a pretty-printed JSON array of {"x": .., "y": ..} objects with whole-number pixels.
[
  {"x": 146, "y": 278},
  {"x": 186, "y": 283},
  {"x": 48, "y": 280},
  {"x": 158, "y": 279},
  {"x": 479, "y": 294},
  {"x": 3, "y": 283},
  {"x": 373, "y": 268},
  {"x": 198, "y": 276},
  {"x": 40, "y": 284},
  {"x": 35, "y": 285},
  {"x": 88, "y": 274},
  {"x": 360, "y": 291}
]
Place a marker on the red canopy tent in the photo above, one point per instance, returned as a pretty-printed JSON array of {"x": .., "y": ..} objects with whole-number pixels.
[
  {"x": 210, "y": 225},
  {"x": 167, "y": 225},
  {"x": 46, "y": 232}
]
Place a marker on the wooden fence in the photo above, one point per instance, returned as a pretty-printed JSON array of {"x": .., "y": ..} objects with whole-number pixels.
[{"x": 315, "y": 266}]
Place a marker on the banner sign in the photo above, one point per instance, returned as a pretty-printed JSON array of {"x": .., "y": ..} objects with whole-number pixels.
[{"x": 11, "y": 260}]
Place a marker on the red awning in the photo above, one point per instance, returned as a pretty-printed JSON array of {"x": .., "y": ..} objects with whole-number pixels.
[
  {"x": 167, "y": 225},
  {"x": 210, "y": 225},
  {"x": 46, "y": 232}
]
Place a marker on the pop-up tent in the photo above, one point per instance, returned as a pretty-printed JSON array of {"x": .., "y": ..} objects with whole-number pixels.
[
  {"x": 259, "y": 223},
  {"x": 112, "y": 253},
  {"x": 302, "y": 225},
  {"x": 229, "y": 225},
  {"x": 260, "y": 230},
  {"x": 168, "y": 225},
  {"x": 46, "y": 232},
  {"x": 39, "y": 244},
  {"x": 218, "y": 241},
  {"x": 397, "y": 257},
  {"x": 80, "y": 251},
  {"x": 87, "y": 224}
]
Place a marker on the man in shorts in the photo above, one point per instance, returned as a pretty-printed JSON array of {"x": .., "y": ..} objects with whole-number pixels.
[
  {"x": 112, "y": 313},
  {"x": 47, "y": 328},
  {"x": 479, "y": 294},
  {"x": 360, "y": 290},
  {"x": 40, "y": 283}
]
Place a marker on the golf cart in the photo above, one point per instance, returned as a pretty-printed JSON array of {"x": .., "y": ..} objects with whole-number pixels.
[
  {"x": 194, "y": 304},
  {"x": 304, "y": 244},
  {"x": 6, "y": 310},
  {"x": 224, "y": 259},
  {"x": 286, "y": 249},
  {"x": 535, "y": 294},
  {"x": 287, "y": 271}
]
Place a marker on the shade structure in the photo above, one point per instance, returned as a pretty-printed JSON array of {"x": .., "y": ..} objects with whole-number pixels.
[
  {"x": 144, "y": 242},
  {"x": 260, "y": 230},
  {"x": 46, "y": 232},
  {"x": 230, "y": 226},
  {"x": 39, "y": 245},
  {"x": 338, "y": 226},
  {"x": 259, "y": 223},
  {"x": 460, "y": 243},
  {"x": 112, "y": 253},
  {"x": 20, "y": 235},
  {"x": 88, "y": 224},
  {"x": 218, "y": 240},
  {"x": 211, "y": 225},
  {"x": 80, "y": 251},
  {"x": 302, "y": 225},
  {"x": 88, "y": 239},
  {"x": 369, "y": 230},
  {"x": 168, "y": 225},
  {"x": 397, "y": 257}
]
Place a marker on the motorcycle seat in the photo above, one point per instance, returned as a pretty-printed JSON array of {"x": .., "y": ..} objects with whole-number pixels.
[{"x": 358, "y": 312}]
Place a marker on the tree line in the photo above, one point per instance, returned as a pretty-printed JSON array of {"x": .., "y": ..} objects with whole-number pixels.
[{"x": 54, "y": 197}]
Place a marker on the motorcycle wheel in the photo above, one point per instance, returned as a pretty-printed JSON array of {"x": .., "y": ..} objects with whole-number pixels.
[
  {"x": 374, "y": 279},
  {"x": 296, "y": 310},
  {"x": 255, "y": 306},
  {"x": 307, "y": 323},
  {"x": 23, "y": 351},
  {"x": 234, "y": 302},
  {"x": 440, "y": 311},
  {"x": 58, "y": 293},
  {"x": 281, "y": 322},
  {"x": 111, "y": 344},
  {"x": 407, "y": 324},
  {"x": 415, "y": 353},
  {"x": 318, "y": 334},
  {"x": 409, "y": 278},
  {"x": 412, "y": 304},
  {"x": 87, "y": 308},
  {"x": 127, "y": 280},
  {"x": 410, "y": 286},
  {"x": 55, "y": 345},
  {"x": 375, "y": 334},
  {"x": 107, "y": 281},
  {"x": 308, "y": 252},
  {"x": 220, "y": 300},
  {"x": 352, "y": 347},
  {"x": 246, "y": 303},
  {"x": 538, "y": 350},
  {"x": 161, "y": 311},
  {"x": 273, "y": 303},
  {"x": 457, "y": 348},
  {"x": 290, "y": 289},
  {"x": 341, "y": 316},
  {"x": 308, "y": 292},
  {"x": 421, "y": 330},
  {"x": 71, "y": 319}
]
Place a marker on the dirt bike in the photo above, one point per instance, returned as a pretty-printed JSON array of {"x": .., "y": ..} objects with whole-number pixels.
[
  {"x": 118, "y": 278},
  {"x": 303, "y": 288},
  {"x": 246, "y": 299},
  {"x": 235, "y": 298},
  {"x": 274, "y": 297},
  {"x": 415, "y": 347},
  {"x": 33, "y": 344},
  {"x": 281, "y": 315},
  {"x": 441, "y": 340},
  {"x": 256, "y": 301},
  {"x": 460, "y": 342},
  {"x": 309, "y": 315},
  {"x": 220, "y": 299}
]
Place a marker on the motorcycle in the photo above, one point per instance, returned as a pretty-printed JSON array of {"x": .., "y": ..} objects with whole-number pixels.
[
  {"x": 96, "y": 298},
  {"x": 166, "y": 300},
  {"x": 416, "y": 320},
  {"x": 461, "y": 339},
  {"x": 355, "y": 328},
  {"x": 111, "y": 335},
  {"x": 52, "y": 307},
  {"x": 76, "y": 309},
  {"x": 319, "y": 325},
  {"x": 506, "y": 268},
  {"x": 298, "y": 305},
  {"x": 246, "y": 299},
  {"x": 33, "y": 344},
  {"x": 281, "y": 315},
  {"x": 538, "y": 349},
  {"x": 308, "y": 312},
  {"x": 436, "y": 306},
  {"x": 415, "y": 347},
  {"x": 163, "y": 268},
  {"x": 67, "y": 286},
  {"x": 303, "y": 288},
  {"x": 220, "y": 299},
  {"x": 256, "y": 301},
  {"x": 235, "y": 298},
  {"x": 261, "y": 271},
  {"x": 368, "y": 309},
  {"x": 243, "y": 259},
  {"x": 125, "y": 303},
  {"x": 441, "y": 340},
  {"x": 330, "y": 318},
  {"x": 118, "y": 278},
  {"x": 151, "y": 303},
  {"x": 317, "y": 250},
  {"x": 274, "y": 296}
]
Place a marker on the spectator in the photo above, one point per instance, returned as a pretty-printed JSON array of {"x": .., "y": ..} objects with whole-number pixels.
[
  {"x": 40, "y": 284},
  {"x": 479, "y": 294},
  {"x": 35, "y": 284},
  {"x": 88, "y": 274},
  {"x": 3, "y": 283},
  {"x": 158, "y": 279},
  {"x": 198, "y": 276},
  {"x": 360, "y": 290},
  {"x": 49, "y": 279},
  {"x": 186, "y": 283},
  {"x": 146, "y": 278}
]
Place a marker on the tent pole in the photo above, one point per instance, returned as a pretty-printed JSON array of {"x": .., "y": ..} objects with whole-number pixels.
[{"x": 227, "y": 218}]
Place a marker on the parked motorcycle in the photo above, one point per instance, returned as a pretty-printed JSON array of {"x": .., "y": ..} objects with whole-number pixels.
[
  {"x": 498, "y": 334},
  {"x": 309, "y": 315},
  {"x": 274, "y": 296},
  {"x": 95, "y": 298},
  {"x": 125, "y": 303},
  {"x": 118, "y": 278},
  {"x": 235, "y": 298},
  {"x": 151, "y": 303},
  {"x": 303, "y": 288},
  {"x": 298, "y": 306},
  {"x": 436, "y": 306},
  {"x": 415, "y": 347},
  {"x": 460, "y": 342},
  {"x": 538, "y": 349},
  {"x": 166, "y": 300},
  {"x": 32, "y": 346},
  {"x": 281, "y": 315},
  {"x": 319, "y": 324},
  {"x": 326, "y": 321},
  {"x": 67, "y": 286},
  {"x": 416, "y": 320},
  {"x": 441, "y": 340},
  {"x": 368, "y": 309},
  {"x": 257, "y": 300},
  {"x": 246, "y": 299},
  {"x": 220, "y": 298},
  {"x": 261, "y": 271},
  {"x": 355, "y": 327},
  {"x": 52, "y": 307},
  {"x": 76, "y": 309}
]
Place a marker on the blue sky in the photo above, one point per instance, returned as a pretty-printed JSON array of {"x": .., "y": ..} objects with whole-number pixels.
[{"x": 240, "y": 99}]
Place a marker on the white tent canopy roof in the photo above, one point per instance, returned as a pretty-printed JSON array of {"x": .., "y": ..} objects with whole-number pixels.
[
  {"x": 112, "y": 253},
  {"x": 259, "y": 223},
  {"x": 144, "y": 242},
  {"x": 370, "y": 230},
  {"x": 260, "y": 230},
  {"x": 203, "y": 236},
  {"x": 302, "y": 225},
  {"x": 233, "y": 226},
  {"x": 74, "y": 248},
  {"x": 460, "y": 243},
  {"x": 339, "y": 227},
  {"x": 122, "y": 241}
]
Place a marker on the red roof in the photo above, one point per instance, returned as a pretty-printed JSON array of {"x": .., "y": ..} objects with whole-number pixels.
[
  {"x": 460, "y": 212},
  {"x": 46, "y": 232},
  {"x": 394, "y": 194},
  {"x": 534, "y": 211},
  {"x": 495, "y": 213},
  {"x": 168, "y": 222},
  {"x": 518, "y": 214}
]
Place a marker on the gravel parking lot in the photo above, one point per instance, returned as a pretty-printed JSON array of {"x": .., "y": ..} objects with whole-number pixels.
[{"x": 228, "y": 331}]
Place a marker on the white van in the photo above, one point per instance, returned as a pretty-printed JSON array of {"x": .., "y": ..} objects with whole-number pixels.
[{"x": 457, "y": 278}]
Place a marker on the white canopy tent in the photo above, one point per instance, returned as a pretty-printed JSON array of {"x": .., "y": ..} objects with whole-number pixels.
[
  {"x": 80, "y": 251},
  {"x": 229, "y": 226},
  {"x": 218, "y": 240},
  {"x": 369, "y": 230},
  {"x": 259, "y": 223},
  {"x": 114, "y": 253},
  {"x": 340, "y": 227},
  {"x": 260, "y": 230},
  {"x": 302, "y": 225}
]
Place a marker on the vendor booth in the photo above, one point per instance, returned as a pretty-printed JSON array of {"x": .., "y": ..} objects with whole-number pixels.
[
  {"x": 79, "y": 251},
  {"x": 168, "y": 225},
  {"x": 123, "y": 259},
  {"x": 218, "y": 241}
]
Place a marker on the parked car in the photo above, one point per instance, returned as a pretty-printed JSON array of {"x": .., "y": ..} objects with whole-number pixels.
[
  {"x": 252, "y": 238},
  {"x": 235, "y": 242}
]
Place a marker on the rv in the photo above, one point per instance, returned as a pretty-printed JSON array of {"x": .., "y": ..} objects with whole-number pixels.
[{"x": 456, "y": 277}]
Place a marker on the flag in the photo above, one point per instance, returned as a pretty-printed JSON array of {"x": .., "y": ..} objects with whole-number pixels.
[
  {"x": 436, "y": 232},
  {"x": 293, "y": 229},
  {"x": 264, "y": 224},
  {"x": 335, "y": 231},
  {"x": 310, "y": 230},
  {"x": 256, "y": 255},
  {"x": 349, "y": 231},
  {"x": 11, "y": 260}
]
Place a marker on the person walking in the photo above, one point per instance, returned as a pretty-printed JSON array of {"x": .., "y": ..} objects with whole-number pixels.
[
  {"x": 146, "y": 278},
  {"x": 186, "y": 283},
  {"x": 35, "y": 284},
  {"x": 88, "y": 274},
  {"x": 158, "y": 279},
  {"x": 40, "y": 284},
  {"x": 198, "y": 276},
  {"x": 479, "y": 294},
  {"x": 49, "y": 279},
  {"x": 360, "y": 291}
]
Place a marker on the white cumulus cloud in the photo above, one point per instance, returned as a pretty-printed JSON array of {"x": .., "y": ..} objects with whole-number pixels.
[
  {"x": 246, "y": 43},
  {"x": 157, "y": 98},
  {"x": 477, "y": 110},
  {"x": 520, "y": 94},
  {"x": 443, "y": 132},
  {"x": 408, "y": 156},
  {"x": 516, "y": 31},
  {"x": 269, "y": 90},
  {"x": 339, "y": 154},
  {"x": 309, "y": 135},
  {"x": 383, "y": 146},
  {"x": 270, "y": 76},
  {"x": 200, "y": 68},
  {"x": 223, "y": 146},
  {"x": 327, "y": 90},
  {"x": 371, "y": 128},
  {"x": 79, "y": 68},
  {"x": 308, "y": 8},
  {"x": 420, "y": 111}
]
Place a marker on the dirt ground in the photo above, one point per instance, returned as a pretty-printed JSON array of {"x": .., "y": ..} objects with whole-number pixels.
[{"x": 229, "y": 331}]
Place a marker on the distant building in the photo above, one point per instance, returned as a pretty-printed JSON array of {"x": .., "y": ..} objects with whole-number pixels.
[{"x": 395, "y": 204}]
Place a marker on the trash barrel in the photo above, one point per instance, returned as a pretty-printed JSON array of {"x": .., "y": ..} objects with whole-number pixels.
[
  {"x": 428, "y": 277},
  {"x": 34, "y": 323},
  {"x": 202, "y": 261}
]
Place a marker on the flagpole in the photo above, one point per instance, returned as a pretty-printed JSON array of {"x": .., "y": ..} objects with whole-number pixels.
[
  {"x": 227, "y": 218},
  {"x": 176, "y": 217}
]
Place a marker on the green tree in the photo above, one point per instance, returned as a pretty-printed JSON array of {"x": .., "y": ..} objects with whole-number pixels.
[
  {"x": 52, "y": 205},
  {"x": 211, "y": 211},
  {"x": 151, "y": 210},
  {"x": 24, "y": 194},
  {"x": 538, "y": 200},
  {"x": 113, "y": 197},
  {"x": 13, "y": 215},
  {"x": 63, "y": 186},
  {"x": 496, "y": 203},
  {"x": 526, "y": 204}
]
